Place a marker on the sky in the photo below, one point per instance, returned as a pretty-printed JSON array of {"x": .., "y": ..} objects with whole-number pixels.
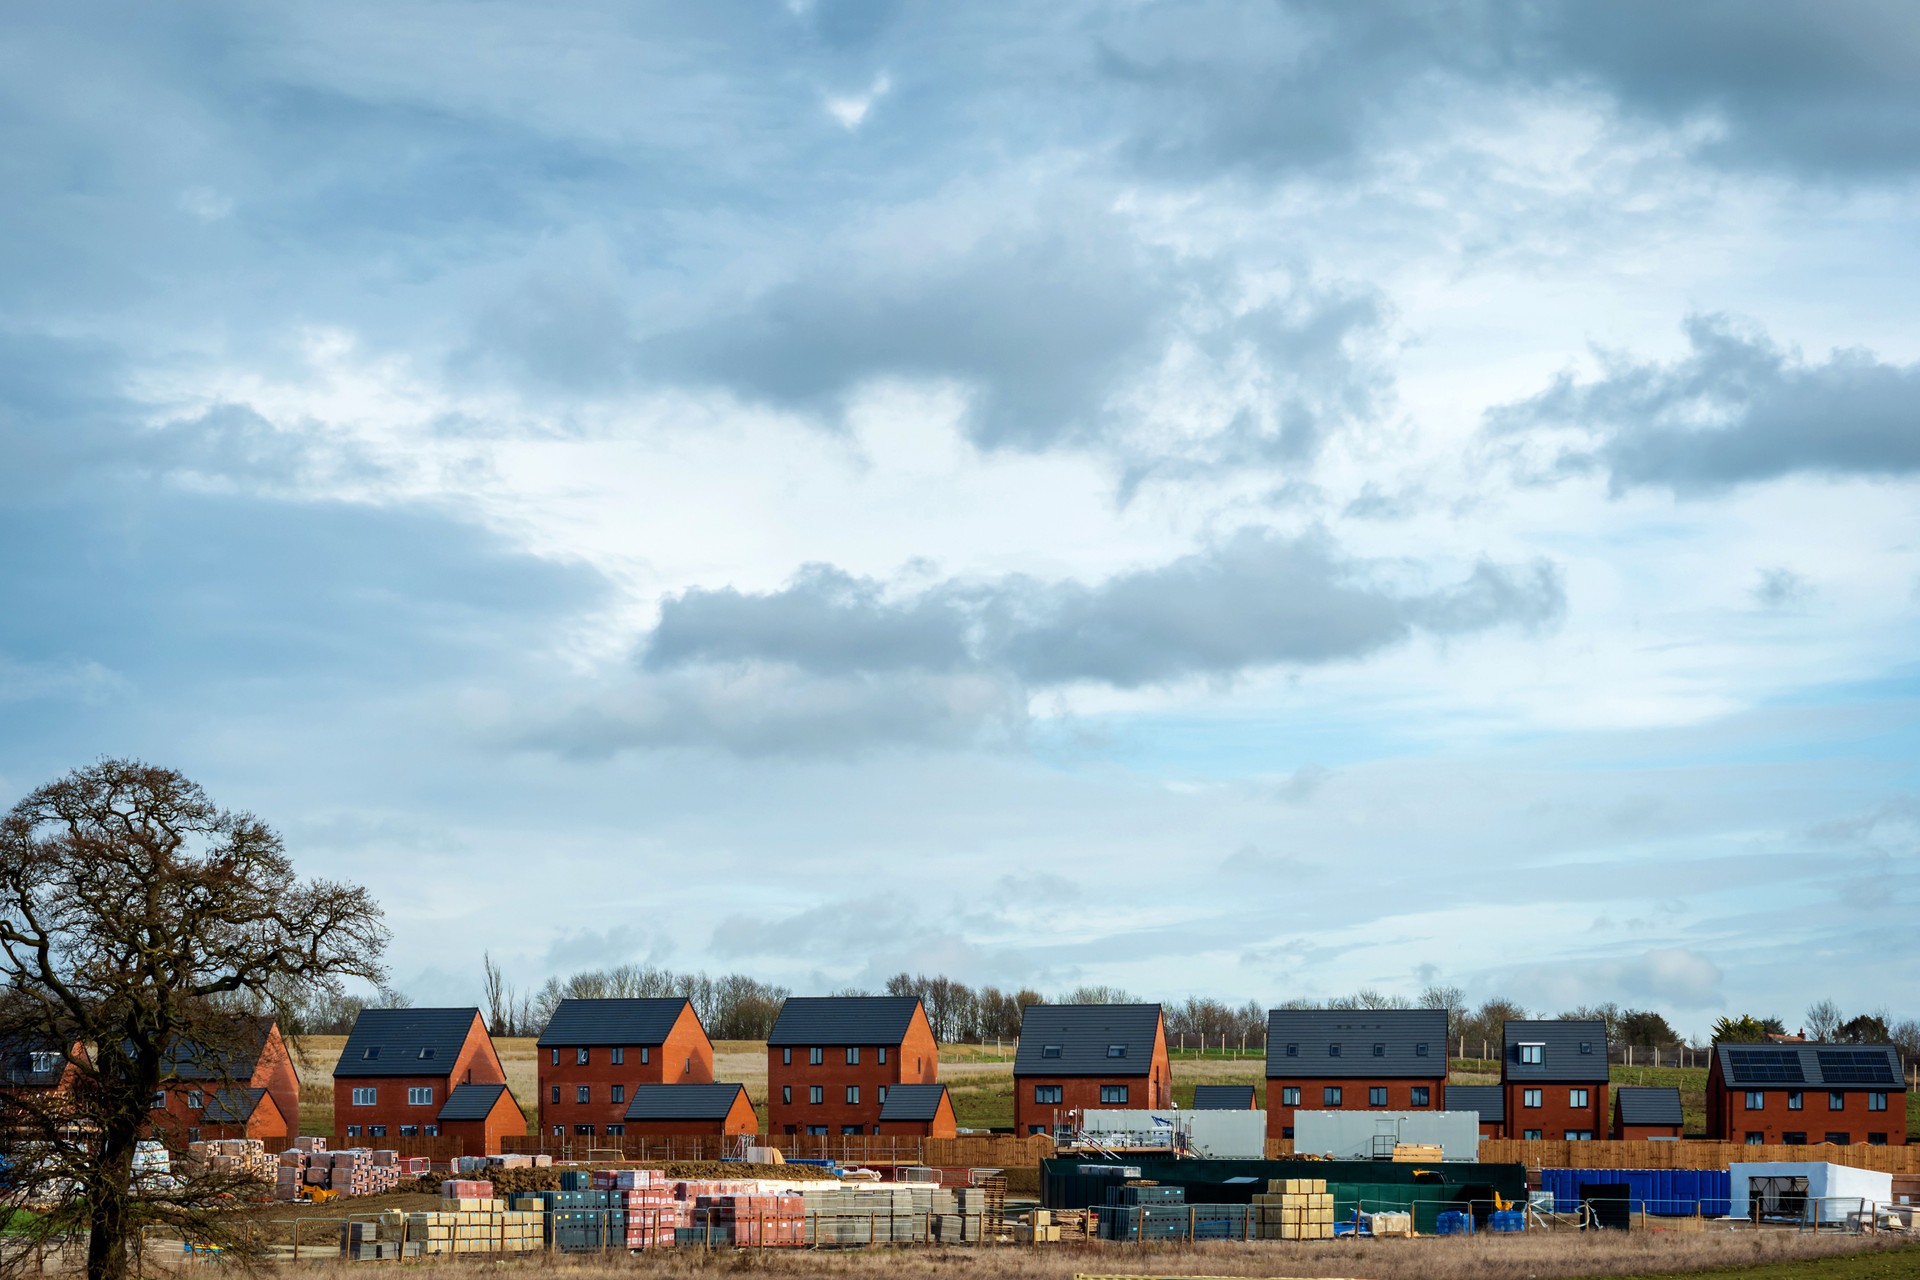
[{"x": 1246, "y": 500}]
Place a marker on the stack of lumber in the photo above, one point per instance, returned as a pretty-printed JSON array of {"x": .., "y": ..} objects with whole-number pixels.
[{"x": 1294, "y": 1209}]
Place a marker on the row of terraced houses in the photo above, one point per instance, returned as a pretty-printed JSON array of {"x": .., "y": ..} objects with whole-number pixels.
[{"x": 870, "y": 1065}]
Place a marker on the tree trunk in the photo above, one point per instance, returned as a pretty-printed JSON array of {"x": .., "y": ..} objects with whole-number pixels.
[{"x": 110, "y": 1204}]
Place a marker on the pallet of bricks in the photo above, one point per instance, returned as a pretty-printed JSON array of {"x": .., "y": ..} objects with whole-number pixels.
[
  {"x": 647, "y": 1205},
  {"x": 236, "y": 1155},
  {"x": 750, "y": 1221},
  {"x": 358, "y": 1171},
  {"x": 894, "y": 1213},
  {"x": 1138, "y": 1211},
  {"x": 471, "y": 1219},
  {"x": 1294, "y": 1209}
]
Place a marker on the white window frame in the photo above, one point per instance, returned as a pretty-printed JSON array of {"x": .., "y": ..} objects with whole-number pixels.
[
  {"x": 1533, "y": 1054},
  {"x": 366, "y": 1096},
  {"x": 1532, "y": 1098},
  {"x": 420, "y": 1095}
]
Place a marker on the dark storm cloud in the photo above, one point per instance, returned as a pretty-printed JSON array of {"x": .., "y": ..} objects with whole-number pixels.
[
  {"x": 1736, "y": 409},
  {"x": 1253, "y": 601}
]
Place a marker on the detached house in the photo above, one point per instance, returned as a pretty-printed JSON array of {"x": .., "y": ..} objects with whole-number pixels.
[
  {"x": 1554, "y": 1075},
  {"x": 1794, "y": 1093},
  {"x": 1353, "y": 1060},
  {"x": 31, "y": 1064},
  {"x": 1088, "y": 1057},
  {"x": 425, "y": 1073},
  {"x": 1642, "y": 1114},
  {"x": 594, "y": 1054},
  {"x": 245, "y": 1088},
  {"x": 831, "y": 1061}
]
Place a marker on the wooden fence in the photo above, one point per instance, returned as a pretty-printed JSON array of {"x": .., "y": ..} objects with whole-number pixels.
[
  {"x": 999, "y": 1150},
  {"x": 1903, "y": 1160}
]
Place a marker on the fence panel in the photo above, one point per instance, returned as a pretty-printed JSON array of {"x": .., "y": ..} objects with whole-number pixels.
[{"x": 1690, "y": 1154}]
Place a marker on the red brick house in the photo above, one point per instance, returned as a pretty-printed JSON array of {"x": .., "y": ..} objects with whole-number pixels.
[
  {"x": 595, "y": 1053},
  {"x": 480, "y": 1115},
  {"x": 1224, "y": 1097},
  {"x": 1489, "y": 1100},
  {"x": 1088, "y": 1057},
  {"x": 399, "y": 1070},
  {"x": 245, "y": 1089},
  {"x": 27, "y": 1065},
  {"x": 831, "y": 1060},
  {"x": 918, "y": 1111},
  {"x": 691, "y": 1111},
  {"x": 1554, "y": 1074},
  {"x": 1643, "y": 1114},
  {"x": 1353, "y": 1060},
  {"x": 1795, "y": 1093}
]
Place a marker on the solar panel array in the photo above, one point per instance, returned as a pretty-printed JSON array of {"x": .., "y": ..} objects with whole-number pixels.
[
  {"x": 1857, "y": 1066},
  {"x": 1767, "y": 1066}
]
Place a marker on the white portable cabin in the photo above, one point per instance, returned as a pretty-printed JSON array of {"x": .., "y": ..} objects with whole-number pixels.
[
  {"x": 1372, "y": 1135},
  {"x": 1833, "y": 1191},
  {"x": 1218, "y": 1135}
]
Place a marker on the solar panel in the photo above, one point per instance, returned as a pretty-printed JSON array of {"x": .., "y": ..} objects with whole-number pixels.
[
  {"x": 1767, "y": 1066},
  {"x": 1856, "y": 1066}
]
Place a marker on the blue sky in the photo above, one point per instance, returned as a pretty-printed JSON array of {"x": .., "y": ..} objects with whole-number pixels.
[{"x": 1251, "y": 500}]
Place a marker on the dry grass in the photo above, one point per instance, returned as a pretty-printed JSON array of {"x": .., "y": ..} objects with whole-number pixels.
[{"x": 1529, "y": 1257}]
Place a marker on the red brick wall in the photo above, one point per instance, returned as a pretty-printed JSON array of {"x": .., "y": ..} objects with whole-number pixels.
[
  {"x": 484, "y": 1137},
  {"x": 1354, "y": 1094},
  {"x": 1644, "y": 1132},
  {"x": 1151, "y": 1092},
  {"x": 1556, "y": 1114},
  {"x": 182, "y": 1122},
  {"x": 274, "y": 1072},
  {"x": 685, "y": 1058},
  {"x": 915, "y": 1060},
  {"x": 942, "y": 1125},
  {"x": 1728, "y": 1117}
]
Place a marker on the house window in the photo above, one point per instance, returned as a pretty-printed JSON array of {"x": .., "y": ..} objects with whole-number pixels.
[
  {"x": 1586, "y": 1047},
  {"x": 1379, "y": 1050},
  {"x": 882, "y": 1051},
  {"x": 1794, "y": 1139},
  {"x": 1332, "y": 1095},
  {"x": 1836, "y": 1101},
  {"x": 41, "y": 1063},
  {"x": 786, "y": 1057},
  {"x": 559, "y": 1129},
  {"x": 686, "y": 1065},
  {"x": 1113, "y": 1095},
  {"x": 1796, "y": 1100},
  {"x": 1289, "y": 1096},
  {"x": 618, "y": 1055},
  {"x": 1036, "y": 1130},
  {"x": 579, "y": 1057},
  {"x": 371, "y": 1054},
  {"x": 420, "y": 1096},
  {"x": 817, "y": 1130},
  {"x": 853, "y": 1094},
  {"x": 196, "y": 1100},
  {"x": 1049, "y": 1050},
  {"x": 646, "y": 1054},
  {"x": 193, "y": 1133},
  {"x": 1876, "y": 1139},
  {"x": 1293, "y": 1051},
  {"x": 409, "y": 1130},
  {"x": 1579, "y": 1135},
  {"x": 429, "y": 1130},
  {"x": 353, "y": 1131},
  {"x": 1420, "y": 1050},
  {"x": 1377, "y": 1096},
  {"x": 853, "y": 1056},
  {"x": 1530, "y": 1135},
  {"x": 1756, "y": 1100},
  {"x": 376, "y": 1131},
  {"x": 1755, "y": 1139},
  {"x": 1876, "y": 1102},
  {"x": 1422, "y": 1095},
  {"x": 556, "y": 1057},
  {"x": 816, "y": 1056},
  {"x": 1530, "y": 1097},
  {"x": 849, "y": 1130},
  {"x": 159, "y": 1102},
  {"x": 786, "y": 1094},
  {"x": 425, "y": 1054},
  {"x": 1046, "y": 1094},
  {"x": 1287, "y": 1132},
  {"x": 1116, "y": 1051},
  {"x": 816, "y": 1095},
  {"x": 556, "y": 1093},
  {"x": 1839, "y": 1139},
  {"x": 1533, "y": 1055},
  {"x": 583, "y": 1130},
  {"x": 366, "y": 1097},
  {"x": 616, "y": 1130},
  {"x": 883, "y": 1095},
  {"x": 617, "y": 1093},
  {"x": 1576, "y": 1097},
  {"x": 1333, "y": 1050},
  {"x": 583, "y": 1093}
]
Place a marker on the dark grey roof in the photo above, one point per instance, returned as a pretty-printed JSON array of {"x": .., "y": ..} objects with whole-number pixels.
[
  {"x": 586, "y": 1023},
  {"x": 1079, "y": 1039},
  {"x": 16, "y": 1063},
  {"x": 912, "y": 1101},
  {"x": 1372, "y": 1043},
  {"x": 683, "y": 1101},
  {"x": 231, "y": 1106},
  {"x": 1816, "y": 1066},
  {"x": 1648, "y": 1106},
  {"x": 843, "y": 1020},
  {"x": 471, "y": 1101},
  {"x": 1575, "y": 1050},
  {"x": 1490, "y": 1100},
  {"x": 1223, "y": 1097},
  {"x": 398, "y": 1038},
  {"x": 232, "y": 1060}
]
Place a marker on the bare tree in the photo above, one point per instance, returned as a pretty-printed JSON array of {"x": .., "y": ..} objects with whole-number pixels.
[
  {"x": 133, "y": 915},
  {"x": 1823, "y": 1019}
]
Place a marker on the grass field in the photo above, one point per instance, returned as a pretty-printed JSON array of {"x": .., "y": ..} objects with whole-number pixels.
[{"x": 979, "y": 1077}]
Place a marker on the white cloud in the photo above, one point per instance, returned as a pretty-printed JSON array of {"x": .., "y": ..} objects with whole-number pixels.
[{"x": 851, "y": 110}]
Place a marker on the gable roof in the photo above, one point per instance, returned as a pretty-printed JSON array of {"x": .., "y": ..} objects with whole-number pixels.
[
  {"x": 1490, "y": 1100},
  {"x": 232, "y": 1062},
  {"x": 843, "y": 1020},
  {"x": 683, "y": 1101},
  {"x": 1648, "y": 1105},
  {"x": 585, "y": 1023},
  {"x": 231, "y": 1106},
  {"x": 1816, "y": 1066},
  {"x": 1357, "y": 1043},
  {"x": 1079, "y": 1039},
  {"x": 16, "y": 1063},
  {"x": 405, "y": 1042},
  {"x": 1573, "y": 1050},
  {"x": 471, "y": 1101},
  {"x": 912, "y": 1101},
  {"x": 1223, "y": 1097}
]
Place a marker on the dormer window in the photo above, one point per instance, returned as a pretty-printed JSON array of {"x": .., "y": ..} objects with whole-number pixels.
[
  {"x": 1293, "y": 1051},
  {"x": 1586, "y": 1047},
  {"x": 369, "y": 1054},
  {"x": 1116, "y": 1051},
  {"x": 1420, "y": 1050},
  {"x": 1379, "y": 1050},
  {"x": 1533, "y": 1055},
  {"x": 425, "y": 1054},
  {"x": 1333, "y": 1050},
  {"x": 41, "y": 1063},
  {"x": 1049, "y": 1050}
]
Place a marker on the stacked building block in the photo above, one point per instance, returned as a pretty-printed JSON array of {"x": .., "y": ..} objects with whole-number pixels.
[
  {"x": 358, "y": 1171},
  {"x": 1294, "y": 1209},
  {"x": 234, "y": 1155}
]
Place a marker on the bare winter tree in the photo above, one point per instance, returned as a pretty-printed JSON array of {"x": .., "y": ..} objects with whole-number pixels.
[
  {"x": 137, "y": 921},
  {"x": 1823, "y": 1019}
]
